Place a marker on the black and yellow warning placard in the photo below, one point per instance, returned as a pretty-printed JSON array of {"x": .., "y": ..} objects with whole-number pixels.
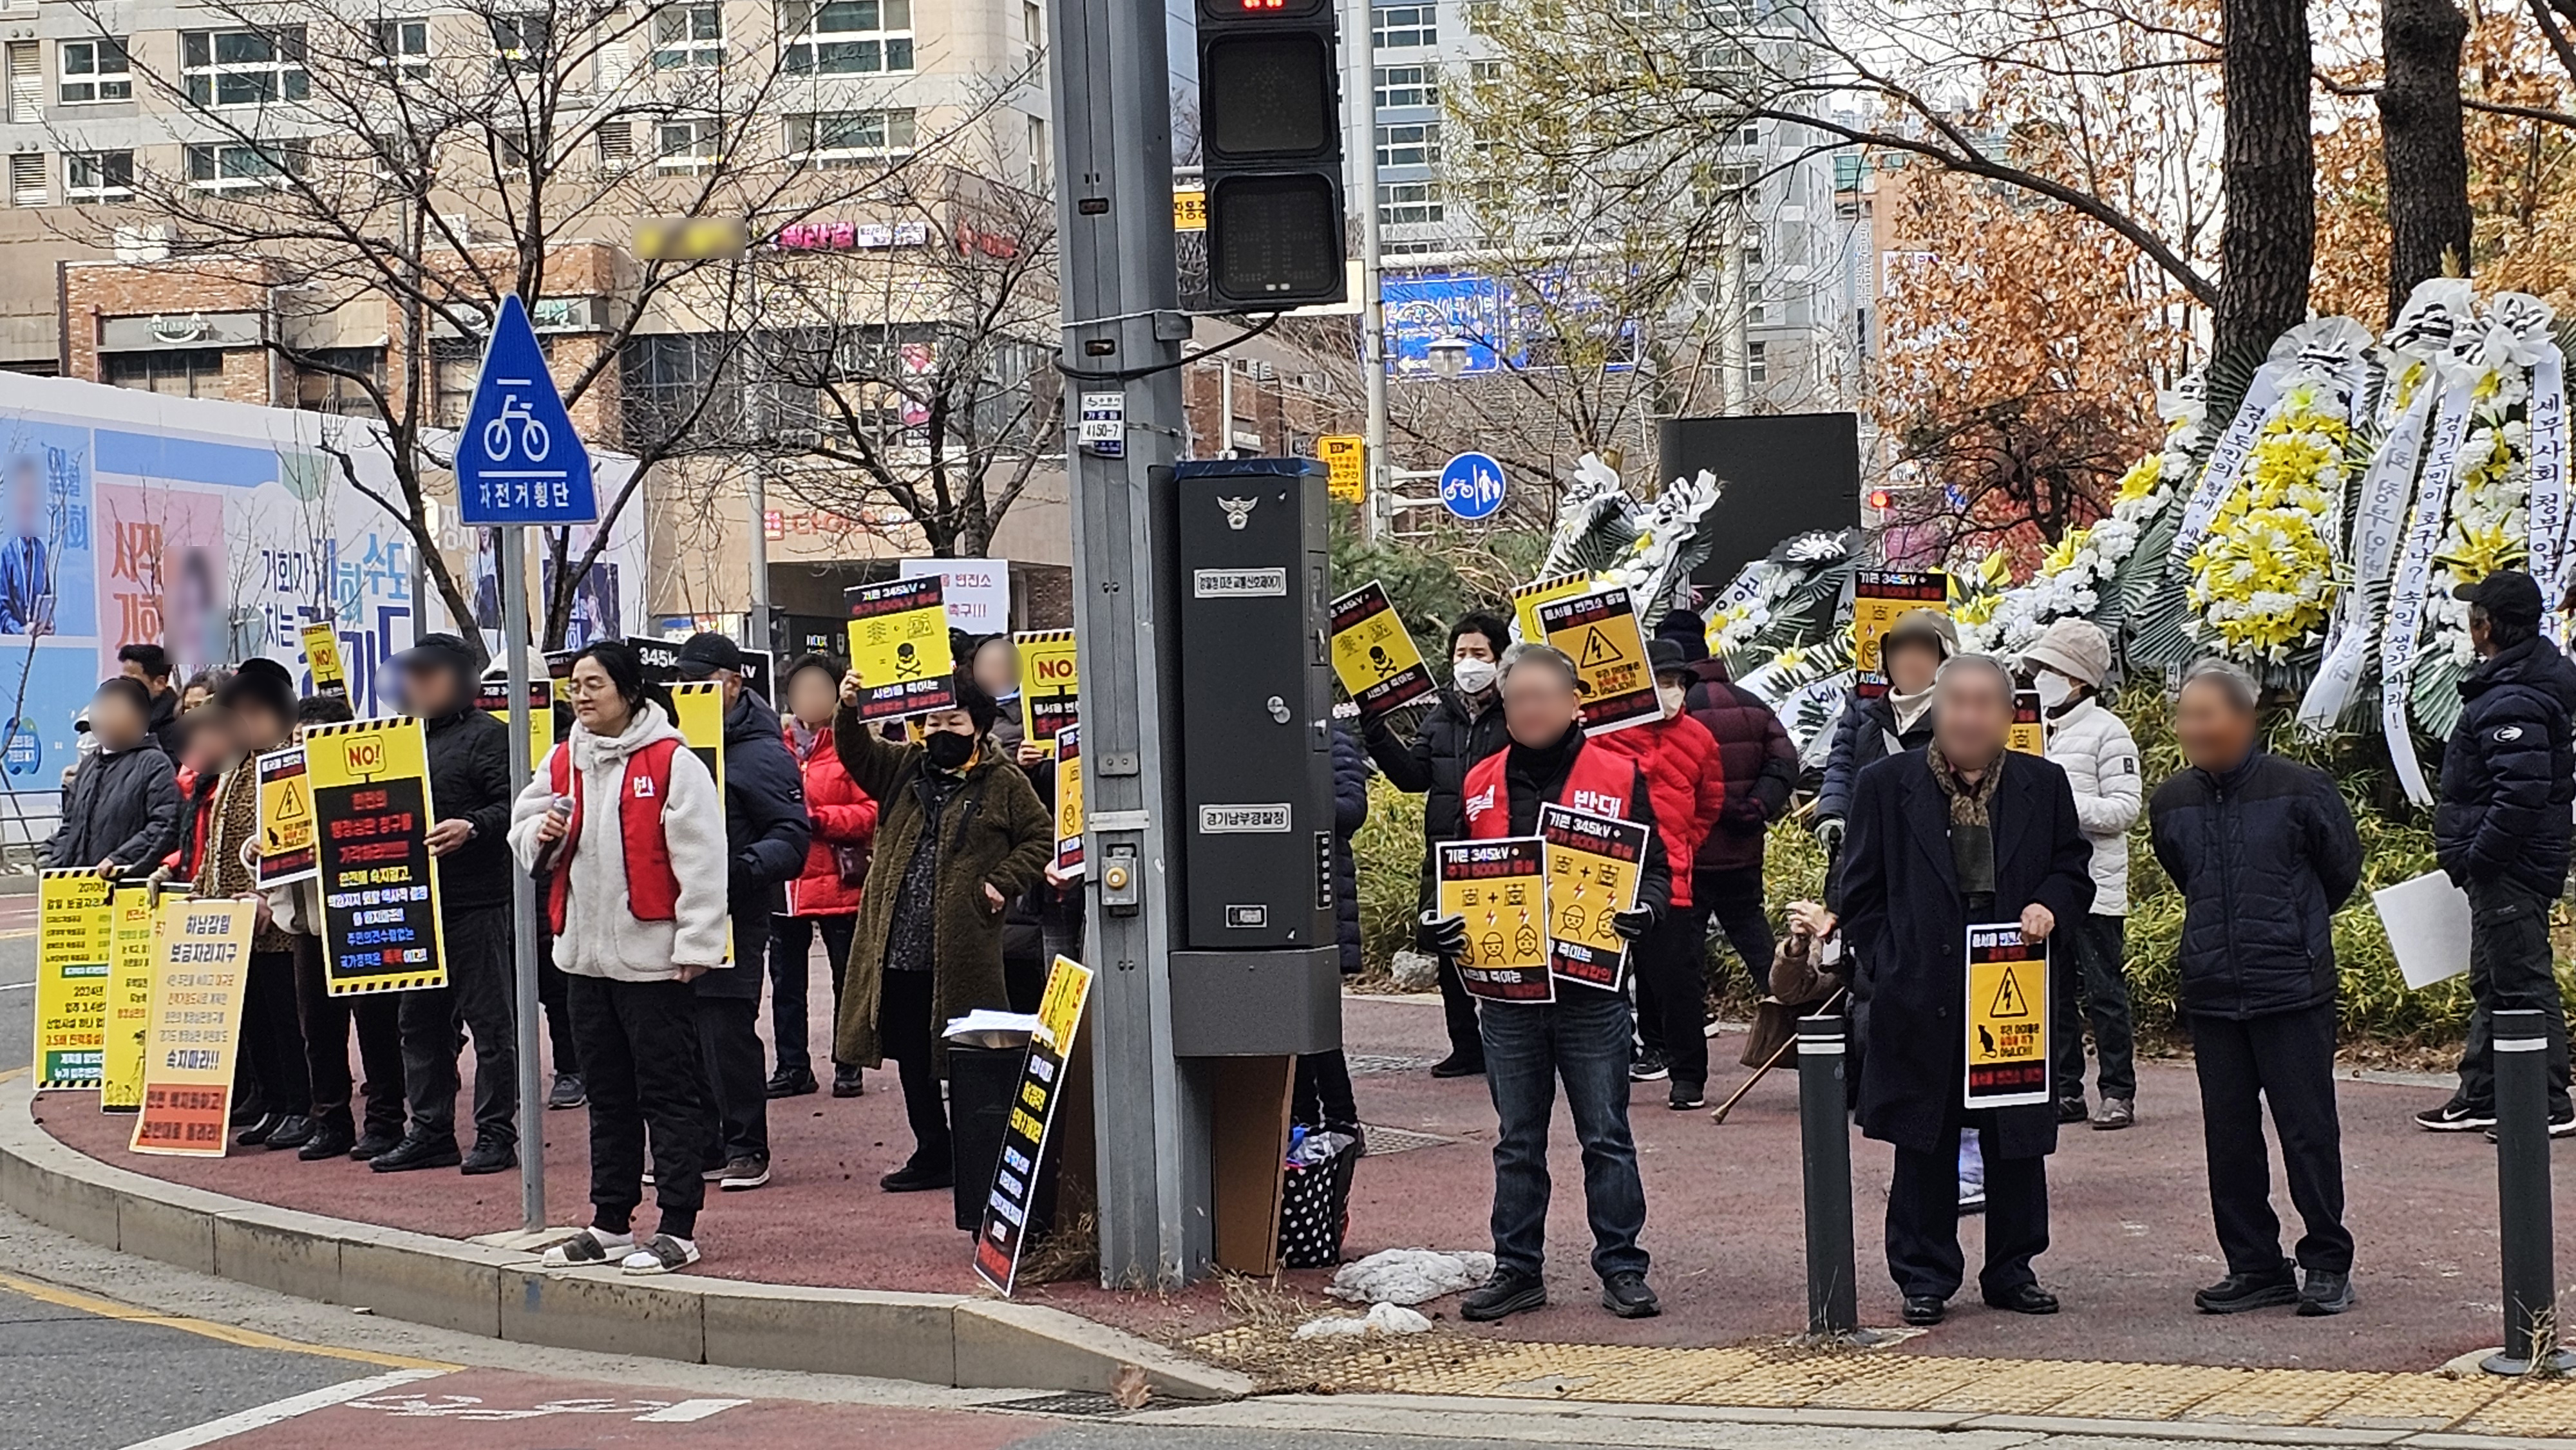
[
  {"x": 492, "y": 697},
  {"x": 2028, "y": 732},
  {"x": 131, "y": 940},
  {"x": 286, "y": 840},
  {"x": 1374, "y": 654},
  {"x": 1500, "y": 887},
  {"x": 2007, "y": 1017},
  {"x": 1879, "y": 596},
  {"x": 1593, "y": 864},
  {"x": 1527, "y": 598},
  {"x": 1003, "y": 1233},
  {"x": 72, "y": 948},
  {"x": 1345, "y": 458},
  {"x": 322, "y": 657},
  {"x": 189, "y": 1049},
  {"x": 899, "y": 646},
  {"x": 1050, "y": 684},
  {"x": 1068, "y": 801},
  {"x": 1600, "y": 633},
  {"x": 380, "y": 921}
]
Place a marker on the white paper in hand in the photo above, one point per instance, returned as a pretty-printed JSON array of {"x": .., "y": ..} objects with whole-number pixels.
[{"x": 2428, "y": 928}]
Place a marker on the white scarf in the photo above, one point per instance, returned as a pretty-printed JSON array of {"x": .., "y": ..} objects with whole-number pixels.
[{"x": 1908, "y": 708}]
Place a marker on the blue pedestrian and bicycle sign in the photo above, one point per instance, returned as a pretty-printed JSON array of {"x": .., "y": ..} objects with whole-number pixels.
[
  {"x": 518, "y": 460},
  {"x": 1471, "y": 484}
]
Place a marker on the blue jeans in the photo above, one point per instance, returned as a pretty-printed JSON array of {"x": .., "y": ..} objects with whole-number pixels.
[{"x": 1583, "y": 1037}]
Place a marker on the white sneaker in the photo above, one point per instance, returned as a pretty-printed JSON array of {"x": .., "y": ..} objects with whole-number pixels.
[
  {"x": 588, "y": 1248},
  {"x": 661, "y": 1254}
]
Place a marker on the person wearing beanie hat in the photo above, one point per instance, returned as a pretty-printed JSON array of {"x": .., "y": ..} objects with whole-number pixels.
[
  {"x": 959, "y": 833},
  {"x": 1686, "y": 629},
  {"x": 2502, "y": 833},
  {"x": 1891, "y": 723},
  {"x": 2068, "y": 663}
]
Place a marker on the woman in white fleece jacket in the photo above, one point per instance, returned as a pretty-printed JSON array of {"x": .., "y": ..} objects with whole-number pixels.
[{"x": 629, "y": 823}]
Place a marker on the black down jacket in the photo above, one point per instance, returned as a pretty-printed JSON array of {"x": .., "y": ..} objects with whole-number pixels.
[
  {"x": 1862, "y": 736},
  {"x": 1350, "y": 812},
  {"x": 2509, "y": 772},
  {"x": 122, "y": 807},
  {"x": 1452, "y": 738},
  {"x": 2264, "y": 853}
]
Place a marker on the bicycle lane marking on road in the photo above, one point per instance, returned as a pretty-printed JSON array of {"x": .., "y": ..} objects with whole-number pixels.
[{"x": 276, "y": 1411}]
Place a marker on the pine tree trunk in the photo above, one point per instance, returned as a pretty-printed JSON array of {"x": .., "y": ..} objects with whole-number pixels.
[
  {"x": 2421, "y": 138},
  {"x": 2268, "y": 244}
]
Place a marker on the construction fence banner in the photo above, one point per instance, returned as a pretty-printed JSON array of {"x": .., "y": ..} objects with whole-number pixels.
[
  {"x": 899, "y": 646},
  {"x": 73, "y": 944},
  {"x": 1600, "y": 632},
  {"x": 381, "y": 929},
  {"x": 287, "y": 848},
  {"x": 1003, "y": 1234},
  {"x": 1050, "y": 684},
  {"x": 1500, "y": 889},
  {"x": 196, "y": 1027},
  {"x": 133, "y": 942},
  {"x": 1380, "y": 667},
  {"x": 1068, "y": 801},
  {"x": 1593, "y": 866},
  {"x": 2007, "y": 1017}
]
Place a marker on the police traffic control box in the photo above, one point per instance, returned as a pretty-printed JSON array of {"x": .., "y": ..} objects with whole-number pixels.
[{"x": 1256, "y": 969}]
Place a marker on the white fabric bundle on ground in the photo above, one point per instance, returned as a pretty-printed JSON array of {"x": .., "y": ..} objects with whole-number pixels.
[
  {"x": 1410, "y": 1276},
  {"x": 1381, "y": 1319}
]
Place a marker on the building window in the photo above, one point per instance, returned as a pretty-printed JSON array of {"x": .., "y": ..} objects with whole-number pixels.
[
  {"x": 1032, "y": 34},
  {"x": 1408, "y": 85},
  {"x": 688, "y": 37},
  {"x": 1757, "y": 367},
  {"x": 27, "y": 178},
  {"x": 196, "y": 372},
  {"x": 1483, "y": 16},
  {"x": 670, "y": 382},
  {"x": 98, "y": 176},
  {"x": 402, "y": 48},
  {"x": 845, "y": 37},
  {"x": 848, "y": 138},
  {"x": 616, "y": 141},
  {"x": 1402, "y": 27},
  {"x": 26, "y": 67},
  {"x": 95, "y": 70},
  {"x": 521, "y": 42},
  {"x": 243, "y": 67},
  {"x": 333, "y": 391},
  {"x": 1485, "y": 72},
  {"x": 1039, "y": 157},
  {"x": 454, "y": 363},
  {"x": 1400, "y": 203},
  {"x": 234, "y": 167},
  {"x": 689, "y": 146},
  {"x": 1414, "y": 144}
]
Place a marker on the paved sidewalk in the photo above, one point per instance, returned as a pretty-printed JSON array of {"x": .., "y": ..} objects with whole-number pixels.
[{"x": 2131, "y": 1219}]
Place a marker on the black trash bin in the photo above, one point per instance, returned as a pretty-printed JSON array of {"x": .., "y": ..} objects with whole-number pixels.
[{"x": 981, "y": 1084}]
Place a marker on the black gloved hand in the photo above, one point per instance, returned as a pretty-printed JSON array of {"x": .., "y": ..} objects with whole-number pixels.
[
  {"x": 1633, "y": 923},
  {"x": 1829, "y": 834},
  {"x": 1742, "y": 814},
  {"x": 1446, "y": 935}
]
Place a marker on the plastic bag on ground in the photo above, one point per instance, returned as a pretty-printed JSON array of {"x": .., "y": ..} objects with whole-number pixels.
[{"x": 1381, "y": 1319}]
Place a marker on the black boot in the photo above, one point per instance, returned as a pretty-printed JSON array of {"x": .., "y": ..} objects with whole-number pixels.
[
  {"x": 332, "y": 1136},
  {"x": 257, "y": 1130},
  {"x": 413, "y": 1153},
  {"x": 489, "y": 1156},
  {"x": 375, "y": 1142},
  {"x": 793, "y": 1082},
  {"x": 296, "y": 1131}
]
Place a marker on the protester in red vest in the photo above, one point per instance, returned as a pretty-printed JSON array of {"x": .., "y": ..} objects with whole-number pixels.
[
  {"x": 630, "y": 824},
  {"x": 1688, "y": 786},
  {"x": 1584, "y": 1035}
]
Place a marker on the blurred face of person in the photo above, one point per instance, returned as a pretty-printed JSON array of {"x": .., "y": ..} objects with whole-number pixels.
[
  {"x": 256, "y": 727},
  {"x": 2481, "y": 632},
  {"x": 1970, "y": 715},
  {"x": 429, "y": 691},
  {"x": 812, "y": 696},
  {"x": 2215, "y": 728},
  {"x": 1911, "y": 664},
  {"x": 208, "y": 748},
  {"x": 115, "y": 721},
  {"x": 595, "y": 701},
  {"x": 997, "y": 667},
  {"x": 1539, "y": 704},
  {"x": 195, "y": 696}
]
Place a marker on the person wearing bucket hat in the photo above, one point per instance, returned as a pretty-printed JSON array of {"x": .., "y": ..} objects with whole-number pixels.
[
  {"x": 1889, "y": 724},
  {"x": 2068, "y": 663}
]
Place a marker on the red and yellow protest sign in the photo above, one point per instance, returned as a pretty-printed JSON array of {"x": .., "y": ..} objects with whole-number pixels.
[
  {"x": 1879, "y": 598},
  {"x": 1379, "y": 665},
  {"x": 2007, "y": 1017},
  {"x": 1600, "y": 633},
  {"x": 1050, "y": 684},
  {"x": 196, "y": 1027},
  {"x": 1593, "y": 864},
  {"x": 287, "y": 848}
]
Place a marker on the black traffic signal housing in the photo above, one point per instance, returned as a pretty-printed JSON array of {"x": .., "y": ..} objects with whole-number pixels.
[{"x": 1270, "y": 114}]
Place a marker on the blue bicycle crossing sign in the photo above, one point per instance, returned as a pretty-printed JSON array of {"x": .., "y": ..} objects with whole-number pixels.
[
  {"x": 1472, "y": 485},
  {"x": 518, "y": 460}
]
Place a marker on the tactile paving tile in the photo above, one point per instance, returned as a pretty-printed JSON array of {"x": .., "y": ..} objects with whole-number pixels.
[
  {"x": 2149, "y": 1392},
  {"x": 2412, "y": 1402},
  {"x": 2023, "y": 1386},
  {"x": 2529, "y": 1407},
  {"x": 2283, "y": 1397}
]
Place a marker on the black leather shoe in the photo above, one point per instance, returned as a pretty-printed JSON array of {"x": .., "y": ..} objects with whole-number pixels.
[
  {"x": 413, "y": 1153},
  {"x": 847, "y": 1082},
  {"x": 2239, "y": 1292},
  {"x": 918, "y": 1177},
  {"x": 2072, "y": 1110},
  {"x": 258, "y": 1130},
  {"x": 294, "y": 1132},
  {"x": 2325, "y": 1292},
  {"x": 1509, "y": 1292},
  {"x": 1458, "y": 1065},
  {"x": 1924, "y": 1309},
  {"x": 328, "y": 1141},
  {"x": 1627, "y": 1296},
  {"x": 2024, "y": 1299},
  {"x": 372, "y": 1144},
  {"x": 489, "y": 1158},
  {"x": 792, "y": 1082}
]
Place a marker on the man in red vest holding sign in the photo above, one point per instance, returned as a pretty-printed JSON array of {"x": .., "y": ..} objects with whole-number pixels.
[{"x": 1586, "y": 1034}]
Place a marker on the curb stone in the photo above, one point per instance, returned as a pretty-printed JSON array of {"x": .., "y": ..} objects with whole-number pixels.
[{"x": 956, "y": 1340}]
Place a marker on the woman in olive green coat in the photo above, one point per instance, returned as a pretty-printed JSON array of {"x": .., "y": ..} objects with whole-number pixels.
[{"x": 960, "y": 833}]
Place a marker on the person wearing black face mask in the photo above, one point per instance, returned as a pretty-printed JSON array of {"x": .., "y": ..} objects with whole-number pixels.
[{"x": 960, "y": 832}]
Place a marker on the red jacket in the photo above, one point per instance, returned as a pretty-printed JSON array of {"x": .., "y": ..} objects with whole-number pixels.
[
  {"x": 844, "y": 818},
  {"x": 1686, "y": 781}
]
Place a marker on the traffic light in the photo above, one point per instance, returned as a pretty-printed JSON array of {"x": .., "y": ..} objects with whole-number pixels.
[{"x": 1270, "y": 112}]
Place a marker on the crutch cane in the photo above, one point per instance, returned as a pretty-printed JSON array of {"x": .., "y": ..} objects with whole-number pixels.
[{"x": 1718, "y": 1114}]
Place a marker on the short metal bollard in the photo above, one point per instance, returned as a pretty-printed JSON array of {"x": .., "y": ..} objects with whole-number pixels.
[
  {"x": 2524, "y": 1218},
  {"x": 1825, "y": 1138}
]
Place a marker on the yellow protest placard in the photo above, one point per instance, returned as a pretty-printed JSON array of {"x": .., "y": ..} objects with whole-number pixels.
[
  {"x": 1346, "y": 454},
  {"x": 1374, "y": 654},
  {"x": 1528, "y": 597},
  {"x": 1068, "y": 801},
  {"x": 381, "y": 928},
  {"x": 1879, "y": 598},
  {"x": 72, "y": 948},
  {"x": 1599, "y": 631},
  {"x": 1003, "y": 1231},
  {"x": 492, "y": 697},
  {"x": 322, "y": 657},
  {"x": 1593, "y": 864},
  {"x": 196, "y": 1027},
  {"x": 1500, "y": 889},
  {"x": 1050, "y": 684},
  {"x": 2028, "y": 732},
  {"x": 700, "y": 706},
  {"x": 899, "y": 646},
  {"x": 286, "y": 840},
  {"x": 2007, "y": 1017},
  {"x": 129, "y": 998}
]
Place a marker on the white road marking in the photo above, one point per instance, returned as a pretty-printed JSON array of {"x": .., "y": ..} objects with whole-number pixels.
[
  {"x": 687, "y": 1411},
  {"x": 285, "y": 1409},
  {"x": 15, "y": 986}
]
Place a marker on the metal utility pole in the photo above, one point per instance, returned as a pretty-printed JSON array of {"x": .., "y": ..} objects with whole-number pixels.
[
  {"x": 1123, "y": 332},
  {"x": 523, "y": 887},
  {"x": 1363, "y": 44}
]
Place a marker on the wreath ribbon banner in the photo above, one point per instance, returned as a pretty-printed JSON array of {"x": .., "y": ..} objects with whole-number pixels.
[
  {"x": 2375, "y": 536},
  {"x": 2398, "y": 647}
]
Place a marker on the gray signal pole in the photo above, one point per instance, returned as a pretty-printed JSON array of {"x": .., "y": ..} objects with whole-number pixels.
[
  {"x": 1111, "y": 78},
  {"x": 524, "y": 947}
]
